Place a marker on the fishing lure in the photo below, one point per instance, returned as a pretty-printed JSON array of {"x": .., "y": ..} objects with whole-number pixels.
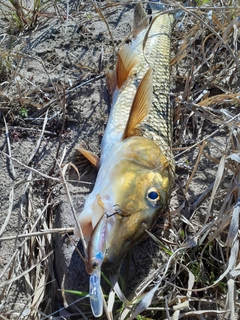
[
  {"x": 95, "y": 256},
  {"x": 95, "y": 293}
]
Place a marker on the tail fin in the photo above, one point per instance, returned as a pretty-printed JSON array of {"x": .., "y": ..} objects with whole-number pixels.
[
  {"x": 158, "y": 5},
  {"x": 141, "y": 20}
]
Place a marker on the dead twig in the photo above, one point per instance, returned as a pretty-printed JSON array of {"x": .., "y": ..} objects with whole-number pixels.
[
  {"x": 9, "y": 148},
  {"x": 39, "y": 233}
]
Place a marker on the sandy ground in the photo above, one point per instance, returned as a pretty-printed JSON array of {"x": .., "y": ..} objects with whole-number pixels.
[{"x": 54, "y": 97}]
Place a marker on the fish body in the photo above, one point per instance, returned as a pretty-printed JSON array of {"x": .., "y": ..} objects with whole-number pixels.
[{"x": 136, "y": 171}]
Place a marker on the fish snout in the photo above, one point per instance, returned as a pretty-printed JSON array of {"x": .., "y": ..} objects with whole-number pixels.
[{"x": 126, "y": 233}]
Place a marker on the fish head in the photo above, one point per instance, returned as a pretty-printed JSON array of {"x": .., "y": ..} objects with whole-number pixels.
[
  {"x": 131, "y": 191},
  {"x": 141, "y": 180}
]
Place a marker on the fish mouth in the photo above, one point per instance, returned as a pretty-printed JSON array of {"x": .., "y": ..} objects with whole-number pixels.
[
  {"x": 117, "y": 247},
  {"x": 113, "y": 219},
  {"x": 119, "y": 242}
]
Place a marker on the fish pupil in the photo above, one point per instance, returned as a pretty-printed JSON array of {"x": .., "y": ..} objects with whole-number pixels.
[
  {"x": 94, "y": 265},
  {"x": 153, "y": 195}
]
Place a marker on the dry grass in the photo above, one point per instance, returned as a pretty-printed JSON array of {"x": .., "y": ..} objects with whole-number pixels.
[
  {"x": 24, "y": 15},
  {"x": 201, "y": 278}
]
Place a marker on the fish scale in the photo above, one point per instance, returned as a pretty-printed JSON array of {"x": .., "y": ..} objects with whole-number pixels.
[
  {"x": 118, "y": 116},
  {"x": 122, "y": 101},
  {"x": 158, "y": 124}
]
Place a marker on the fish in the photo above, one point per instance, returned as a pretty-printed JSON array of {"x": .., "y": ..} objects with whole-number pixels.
[{"x": 136, "y": 166}]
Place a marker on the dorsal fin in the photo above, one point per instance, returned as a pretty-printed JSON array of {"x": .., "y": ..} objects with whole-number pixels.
[
  {"x": 141, "y": 21},
  {"x": 92, "y": 157},
  {"x": 141, "y": 104},
  {"x": 127, "y": 60}
]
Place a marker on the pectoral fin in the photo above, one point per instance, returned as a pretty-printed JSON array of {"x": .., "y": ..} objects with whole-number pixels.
[
  {"x": 141, "y": 104},
  {"x": 111, "y": 78},
  {"x": 93, "y": 158},
  {"x": 86, "y": 225}
]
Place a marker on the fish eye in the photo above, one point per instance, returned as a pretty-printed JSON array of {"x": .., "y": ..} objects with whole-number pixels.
[
  {"x": 153, "y": 196},
  {"x": 94, "y": 265}
]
